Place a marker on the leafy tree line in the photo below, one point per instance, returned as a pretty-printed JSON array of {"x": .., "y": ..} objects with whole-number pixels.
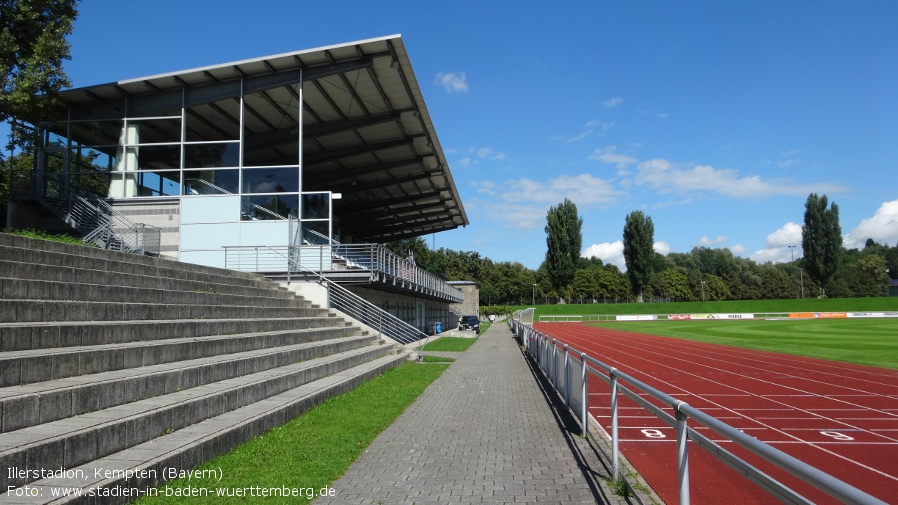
[{"x": 826, "y": 268}]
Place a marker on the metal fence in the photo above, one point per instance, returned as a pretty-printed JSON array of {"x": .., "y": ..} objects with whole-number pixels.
[
  {"x": 283, "y": 259},
  {"x": 377, "y": 261},
  {"x": 570, "y": 371}
]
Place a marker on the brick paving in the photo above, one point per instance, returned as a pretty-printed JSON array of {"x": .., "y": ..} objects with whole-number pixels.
[{"x": 484, "y": 432}]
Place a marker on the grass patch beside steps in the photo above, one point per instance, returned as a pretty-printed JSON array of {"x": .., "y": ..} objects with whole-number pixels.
[{"x": 313, "y": 450}]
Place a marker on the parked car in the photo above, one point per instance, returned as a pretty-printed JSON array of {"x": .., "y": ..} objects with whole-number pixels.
[{"x": 469, "y": 323}]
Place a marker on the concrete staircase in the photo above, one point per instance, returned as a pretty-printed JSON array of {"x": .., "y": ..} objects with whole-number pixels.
[{"x": 139, "y": 366}]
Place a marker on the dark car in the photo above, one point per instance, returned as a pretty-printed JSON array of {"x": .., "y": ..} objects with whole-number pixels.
[{"x": 469, "y": 323}]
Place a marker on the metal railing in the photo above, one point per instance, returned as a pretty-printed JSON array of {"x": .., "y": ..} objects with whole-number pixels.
[
  {"x": 378, "y": 262},
  {"x": 265, "y": 258},
  {"x": 569, "y": 370},
  {"x": 371, "y": 315},
  {"x": 112, "y": 230}
]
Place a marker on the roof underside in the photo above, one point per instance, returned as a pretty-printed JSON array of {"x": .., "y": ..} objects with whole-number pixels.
[{"x": 366, "y": 132}]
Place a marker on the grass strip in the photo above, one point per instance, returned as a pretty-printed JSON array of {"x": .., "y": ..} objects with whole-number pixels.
[
  {"x": 452, "y": 344},
  {"x": 861, "y": 341},
  {"x": 437, "y": 359},
  {"x": 313, "y": 450}
]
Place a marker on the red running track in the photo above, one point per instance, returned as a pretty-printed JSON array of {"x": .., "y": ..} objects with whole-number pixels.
[{"x": 840, "y": 418}]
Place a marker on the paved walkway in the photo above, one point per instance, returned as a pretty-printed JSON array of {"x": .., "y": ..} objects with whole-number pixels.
[{"x": 484, "y": 432}]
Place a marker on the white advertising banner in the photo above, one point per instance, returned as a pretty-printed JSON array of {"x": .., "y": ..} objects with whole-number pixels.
[
  {"x": 646, "y": 317},
  {"x": 872, "y": 314}
]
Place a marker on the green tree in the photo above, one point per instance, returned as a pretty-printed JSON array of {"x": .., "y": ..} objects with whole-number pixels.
[
  {"x": 32, "y": 48},
  {"x": 564, "y": 241},
  {"x": 674, "y": 285},
  {"x": 639, "y": 253},
  {"x": 821, "y": 239}
]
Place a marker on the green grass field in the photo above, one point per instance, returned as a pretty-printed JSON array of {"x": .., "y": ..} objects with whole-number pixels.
[{"x": 862, "y": 341}]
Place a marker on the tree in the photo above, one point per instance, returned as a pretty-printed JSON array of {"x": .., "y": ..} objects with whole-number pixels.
[
  {"x": 564, "y": 242},
  {"x": 639, "y": 253},
  {"x": 821, "y": 239},
  {"x": 32, "y": 48}
]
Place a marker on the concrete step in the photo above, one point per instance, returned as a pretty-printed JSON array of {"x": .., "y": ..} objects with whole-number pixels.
[
  {"x": 25, "y": 367},
  {"x": 144, "y": 465},
  {"x": 76, "y": 440},
  {"x": 51, "y": 400},
  {"x": 29, "y": 250},
  {"x": 118, "y": 263},
  {"x": 68, "y": 275},
  {"x": 67, "y": 310},
  {"x": 48, "y": 335},
  {"x": 29, "y": 289}
]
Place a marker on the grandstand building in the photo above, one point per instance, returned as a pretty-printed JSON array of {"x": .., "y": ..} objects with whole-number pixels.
[{"x": 298, "y": 166}]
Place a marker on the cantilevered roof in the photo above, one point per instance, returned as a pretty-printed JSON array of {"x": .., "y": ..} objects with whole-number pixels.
[{"x": 366, "y": 132}]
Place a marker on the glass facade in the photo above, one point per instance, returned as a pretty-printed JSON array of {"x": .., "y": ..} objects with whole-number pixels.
[{"x": 233, "y": 161}]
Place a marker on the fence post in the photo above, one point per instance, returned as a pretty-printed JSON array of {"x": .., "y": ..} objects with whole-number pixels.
[
  {"x": 584, "y": 394},
  {"x": 682, "y": 456},
  {"x": 615, "y": 442},
  {"x": 567, "y": 376}
]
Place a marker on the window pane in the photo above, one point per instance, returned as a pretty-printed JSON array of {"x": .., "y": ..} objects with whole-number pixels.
[
  {"x": 96, "y": 133},
  {"x": 271, "y": 180},
  {"x": 314, "y": 233},
  {"x": 89, "y": 159},
  {"x": 218, "y": 121},
  {"x": 225, "y": 154},
  {"x": 315, "y": 205},
  {"x": 157, "y": 157},
  {"x": 159, "y": 183},
  {"x": 156, "y": 131},
  {"x": 273, "y": 140},
  {"x": 268, "y": 207},
  {"x": 211, "y": 182},
  {"x": 90, "y": 185}
]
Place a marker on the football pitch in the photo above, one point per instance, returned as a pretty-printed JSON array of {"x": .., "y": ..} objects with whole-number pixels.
[{"x": 863, "y": 341}]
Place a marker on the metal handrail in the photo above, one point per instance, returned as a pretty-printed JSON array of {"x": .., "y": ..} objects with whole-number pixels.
[
  {"x": 352, "y": 304},
  {"x": 378, "y": 261},
  {"x": 112, "y": 230},
  {"x": 545, "y": 351}
]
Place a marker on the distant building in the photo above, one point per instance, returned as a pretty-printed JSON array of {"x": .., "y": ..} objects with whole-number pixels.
[{"x": 471, "y": 303}]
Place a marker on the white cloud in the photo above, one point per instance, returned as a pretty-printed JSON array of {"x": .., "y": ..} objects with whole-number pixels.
[
  {"x": 882, "y": 228},
  {"x": 608, "y": 252},
  {"x": 771, "y": 255},
  {"x": 487, "y": 153},
  {"x": 578, "y": 137},
  {"x": 607, "y": 155},
  {"x": 613, "y": 252},
  {"x": 523, "y": 203},
  {"x": 464, "y": 162},
  {"x": 613, "y": 102},
  {"x": 738, "y": 250},
  {"x": 706, "y": 241},
  {"x": 665, "y": 177},
  {"x": 778, "y": 242},
  {"x": 789, "y": 234},
  {"x": 452, "y": 81}
]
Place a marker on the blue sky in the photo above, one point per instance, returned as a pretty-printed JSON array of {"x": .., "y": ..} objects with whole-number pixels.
[{"x": 716, "y": 119}]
